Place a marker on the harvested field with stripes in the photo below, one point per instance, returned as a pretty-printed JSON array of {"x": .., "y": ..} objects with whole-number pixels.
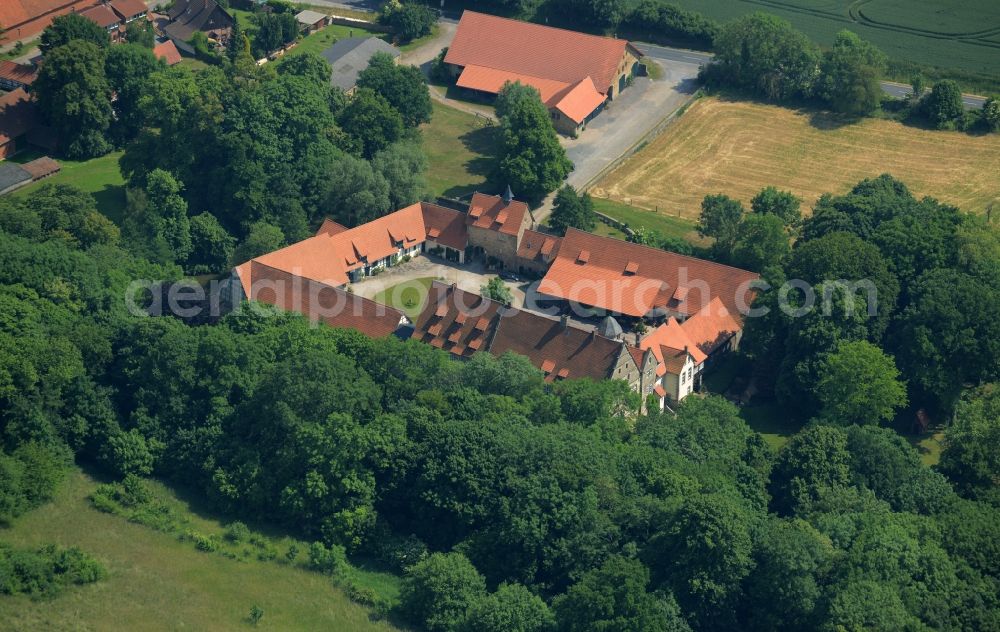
[{"x": 738, "y": 147}]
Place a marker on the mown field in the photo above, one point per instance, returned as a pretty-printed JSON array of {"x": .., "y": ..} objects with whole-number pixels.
[
  {"x": 99, "y": 176},
  {"x": 737, "y": 148},
  {"x": 459, "y": 150},
  {"x": 156, "y": 582},
  {"x": 961, "y": 34}
]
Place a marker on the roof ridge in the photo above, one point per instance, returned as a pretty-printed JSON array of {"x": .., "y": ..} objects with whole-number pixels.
[
  {"x": 544, "y": 26},
  {"x": 660, "y": 250}
]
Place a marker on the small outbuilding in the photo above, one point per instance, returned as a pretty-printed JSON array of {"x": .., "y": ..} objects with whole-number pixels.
[{"x": 311, "y": 21}]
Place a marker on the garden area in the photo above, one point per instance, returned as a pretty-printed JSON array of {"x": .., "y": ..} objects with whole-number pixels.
[{"x": 408, "y": 297}]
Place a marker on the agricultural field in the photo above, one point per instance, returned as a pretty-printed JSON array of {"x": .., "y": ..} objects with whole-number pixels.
[
  {"x": 738, "y": 148},
  {"x": 959, "y": 34},
  {"x": 156, "y": 582}
]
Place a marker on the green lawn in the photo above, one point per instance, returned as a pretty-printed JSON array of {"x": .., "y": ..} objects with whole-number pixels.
[
  {"x": 99, "y": 177},
  {"x": 156, "y": 582},
  {"x": 460, "y": 150},
  {"x": 408, "y": 296},
  {"x": 636, "y": 217},
  {"x": 772, "y": 422},
  {"x": 928, "y": 445},
  {"x": 321, "y": 40},
  {"x": 420, "y": 41}
]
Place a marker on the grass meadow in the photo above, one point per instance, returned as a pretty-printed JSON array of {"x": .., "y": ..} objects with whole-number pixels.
[
  {"x": 460, "y": 151},
  {"x": 738, "y": 147},
  {"x": 408, "y": 296},
  {"x": 99, "y": 176},
  {"x": 156, "y": 582}
]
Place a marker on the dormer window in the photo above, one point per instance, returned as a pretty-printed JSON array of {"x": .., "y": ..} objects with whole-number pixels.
[{"x": 583, "y": 257}]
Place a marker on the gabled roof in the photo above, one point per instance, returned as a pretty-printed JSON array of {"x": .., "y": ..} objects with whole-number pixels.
[
  {"x": 321, "y": 302},
  {"x": 668, "y": 340},
  {"x": 12, "y": 174},
  {"x": 21, "y": 73},
  {"x": 167, "y": 52},
  {"x": 102, "y": 15},
  {"x": 591, "y": 270},
  {"x": 309, "y": 17},
  {"x": 348, "y": 57},
  {"x": 445, "y": 226},
  {"x": 535, "y": 50},
  {"x": 13, "y": 13},
  {"x": 535, "y": 245},
  {"x": 711, "y": 327},
  {"x": 457, "y": 321},
  {"x": 330, "y": 227},
  {"x": 491, "y": 80},
  {"x": 333, "y": 251},
  {"x": 128, "y": 8},
  {"x": 579, "y": 100},
  {"x": 491, "y": 212},
  {"x": 465, "y": 323}
]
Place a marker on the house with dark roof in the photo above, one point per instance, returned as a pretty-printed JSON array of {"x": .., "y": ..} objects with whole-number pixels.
[
  {"x": 574, "y": 73},
  {"x": 464, "y": 324},
  {"x": 188, "y": 17},
  {"x": 349, "y": 56}
]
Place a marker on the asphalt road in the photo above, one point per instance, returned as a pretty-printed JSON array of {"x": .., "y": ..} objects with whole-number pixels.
[{"x": 893, "y": 89}]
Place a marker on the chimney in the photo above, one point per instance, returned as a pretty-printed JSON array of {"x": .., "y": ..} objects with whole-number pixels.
[
  {"x": 638, "y": 339},
  {"x": 508, "y": 195}
]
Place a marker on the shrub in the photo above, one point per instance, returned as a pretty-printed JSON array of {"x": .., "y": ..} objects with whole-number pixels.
[
  {"x": 237, "y": 532},
  {"x": 329, "y": 561},
  {"x": 45, "y": 571},
  {"x": 411, "y": 21},
  {"x": 438, "y": 591}
]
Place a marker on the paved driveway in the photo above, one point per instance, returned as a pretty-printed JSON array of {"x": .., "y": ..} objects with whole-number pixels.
[{"x": 625, "y": 121}]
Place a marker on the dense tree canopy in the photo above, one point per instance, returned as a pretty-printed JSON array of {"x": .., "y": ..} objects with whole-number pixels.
[
  {"x": 403, "y": 86},
  {"x": 572, "y": 210},
  {"x": 72, "y": 26},
  {"x": 75, "y": 98},
  {"x": 530, "y": 160}
]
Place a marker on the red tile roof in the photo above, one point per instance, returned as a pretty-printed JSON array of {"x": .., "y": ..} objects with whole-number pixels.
[
  {"x": 128, "y": 8},
  {"x": 41, "y": 167},
  {"x": 445, "y": 226},
  {"x": 669, "y": 340},
  {"x": 330, "y": 227},
  {"x": 17, "y": 115},
  {"x": 22, "y": 73},
  {"x": 16, "y": 12},
  {"x": 535, "y": 50},
  {"x": 101, "y": 15},
  {"x": 168, "y": 52},
  {"x": 711, "y": 327},
  {"x": 490, "y": 212},
  {"x": 579, "y": 100},
  {"x": 327, "y": 258},
  {"x": 590, "y": 269},
  {"x": 491, "y": 80},
  {"x": 462, "y": 322},
  {"x": 535, "y": 245},
  {"x": 324, "y": 303}
]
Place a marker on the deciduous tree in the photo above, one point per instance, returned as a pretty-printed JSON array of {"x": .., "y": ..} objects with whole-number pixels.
[
  {"x": 75, "y": 98},
  {"x": 571, "y": 209},
  {"x": 72, "y": 26},
  {"x": 859, "y": 384}
]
